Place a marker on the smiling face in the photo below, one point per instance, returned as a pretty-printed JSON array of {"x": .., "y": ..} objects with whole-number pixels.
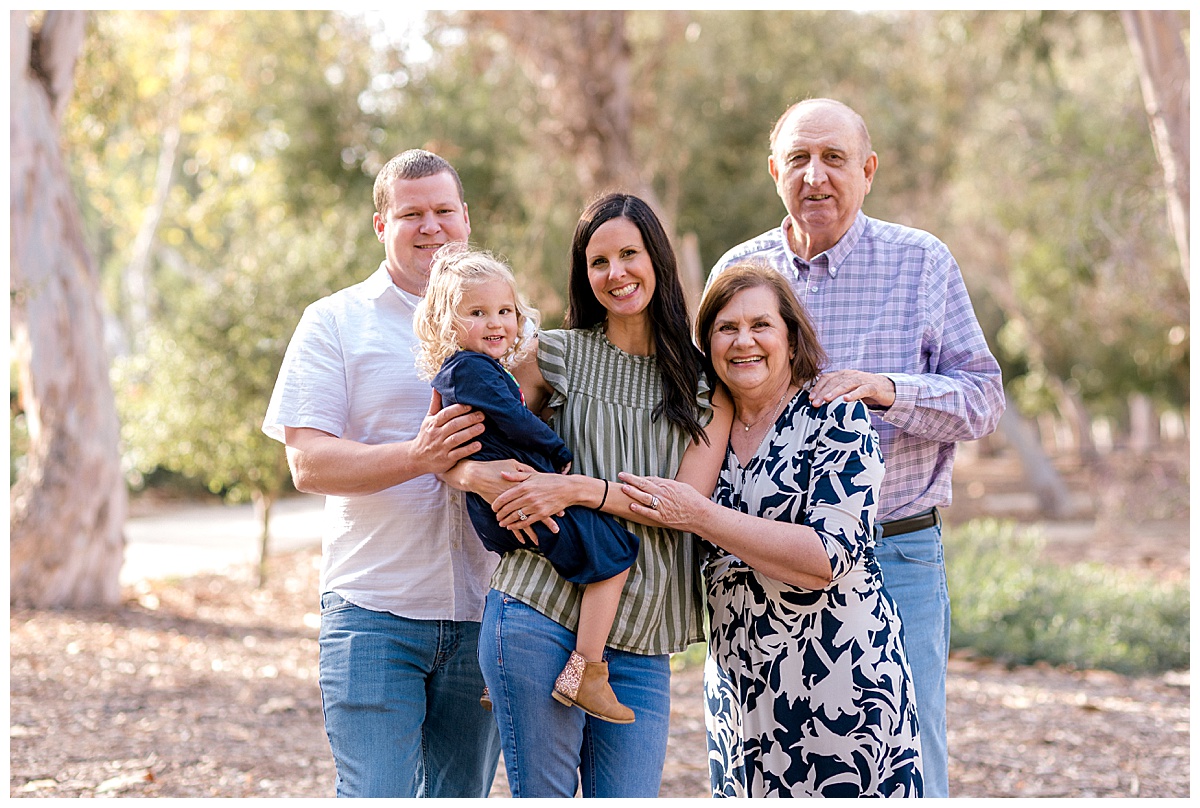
[
  {"x": 486, "y": 318},
  {"x": 822, "y": 167},
  {"x": 423, "y": 215},
  {"x": 619, "y": 269},
  {"x": 749, "y": 345}
]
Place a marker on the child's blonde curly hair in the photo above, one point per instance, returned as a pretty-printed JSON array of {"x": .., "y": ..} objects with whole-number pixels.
[{"x": 455, "y": 268}]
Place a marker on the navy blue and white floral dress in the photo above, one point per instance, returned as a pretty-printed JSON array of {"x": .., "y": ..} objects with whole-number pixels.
[{"x": 808, "y": 692}]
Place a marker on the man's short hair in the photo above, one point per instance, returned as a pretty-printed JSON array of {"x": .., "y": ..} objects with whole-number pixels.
[
  {"x": 414, "y": 164},
  {"x": 858, "y": 119}
]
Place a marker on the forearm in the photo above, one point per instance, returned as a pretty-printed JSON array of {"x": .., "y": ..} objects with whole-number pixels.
[
  {"x": 947, "y": 407},
  {"x": 786, "y": 552},
  {"x": 339, "y": 467},
  {"x": 540, "y": 495},
  {"x": 481, "y": 477}
]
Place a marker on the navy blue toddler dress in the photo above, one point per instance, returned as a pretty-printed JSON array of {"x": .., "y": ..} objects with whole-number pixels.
[{"x": 590, "y": 546}]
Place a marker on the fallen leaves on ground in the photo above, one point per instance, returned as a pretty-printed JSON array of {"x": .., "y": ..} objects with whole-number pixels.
[{"x": 207, "y": 687}]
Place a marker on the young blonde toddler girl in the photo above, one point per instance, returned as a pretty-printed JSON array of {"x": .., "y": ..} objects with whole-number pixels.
[{"x": 473, "y": 324}]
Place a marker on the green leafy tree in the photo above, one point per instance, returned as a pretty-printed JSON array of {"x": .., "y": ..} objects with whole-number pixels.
[
  {"x": 192, "y": 402},
  {"x": 228, "y": 192},
  {"x": 245, "y": 105},
  {"x": 1072, "y": 232}
]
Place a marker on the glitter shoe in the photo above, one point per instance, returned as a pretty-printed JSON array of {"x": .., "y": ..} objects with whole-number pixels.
[{"x": 585, "y": 685}]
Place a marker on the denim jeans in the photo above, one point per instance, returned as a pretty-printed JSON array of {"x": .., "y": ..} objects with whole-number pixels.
[
  {"x": 551, "y": 749},
  {"x": 914, "y": 575},
  {"x": 401, "y": 701}
]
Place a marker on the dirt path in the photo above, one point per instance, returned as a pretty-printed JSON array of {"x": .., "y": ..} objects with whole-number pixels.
[{"x": 204, "y": 687}]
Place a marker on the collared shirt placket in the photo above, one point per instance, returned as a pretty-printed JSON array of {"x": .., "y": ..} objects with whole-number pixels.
[{"x": 811, "y": 281}]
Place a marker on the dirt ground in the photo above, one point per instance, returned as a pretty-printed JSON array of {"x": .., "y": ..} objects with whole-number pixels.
[{"x": 207, "y": 687}]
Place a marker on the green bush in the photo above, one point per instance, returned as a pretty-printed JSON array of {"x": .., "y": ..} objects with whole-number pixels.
[
  {"x": 691, "y": 657},
  {"x": 1010, "y": 604}
]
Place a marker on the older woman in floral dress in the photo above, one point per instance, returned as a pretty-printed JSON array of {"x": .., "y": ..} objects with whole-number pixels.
[{"x": 808, "y": 689}]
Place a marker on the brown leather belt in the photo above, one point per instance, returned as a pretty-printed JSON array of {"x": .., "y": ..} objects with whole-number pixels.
[{"x": 910, "y": 524}]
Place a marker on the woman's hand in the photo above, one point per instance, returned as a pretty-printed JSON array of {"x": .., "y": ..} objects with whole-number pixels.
[
  {"x": 669, "y": 503},
  {"x": 536, "y": 496}
]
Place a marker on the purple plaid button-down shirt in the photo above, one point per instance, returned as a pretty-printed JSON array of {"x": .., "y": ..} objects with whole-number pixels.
[{"x": 890, "y": 299}]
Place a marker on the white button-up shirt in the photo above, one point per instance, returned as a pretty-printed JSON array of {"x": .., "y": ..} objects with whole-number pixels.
[{"x": 350, "y": 371}]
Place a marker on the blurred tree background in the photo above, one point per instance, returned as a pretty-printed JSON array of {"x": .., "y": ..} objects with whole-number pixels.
[{"x": 224, "y": 161}]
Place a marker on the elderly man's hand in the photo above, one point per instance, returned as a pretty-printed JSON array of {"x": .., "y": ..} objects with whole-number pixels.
[{"x": 872, "y": 389}]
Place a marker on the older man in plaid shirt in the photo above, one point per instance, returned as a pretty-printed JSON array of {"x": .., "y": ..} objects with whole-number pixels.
[{"x": 893, "y": 314}]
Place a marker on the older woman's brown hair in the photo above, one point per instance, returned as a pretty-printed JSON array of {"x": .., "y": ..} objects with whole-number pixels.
[{"x": 808, "y": 357}]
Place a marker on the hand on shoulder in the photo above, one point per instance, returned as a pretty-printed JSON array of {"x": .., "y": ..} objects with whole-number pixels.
[{"x": 872, "y": 389}]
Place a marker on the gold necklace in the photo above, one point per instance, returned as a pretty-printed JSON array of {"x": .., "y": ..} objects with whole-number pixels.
[{"x": 747, "y": 426}]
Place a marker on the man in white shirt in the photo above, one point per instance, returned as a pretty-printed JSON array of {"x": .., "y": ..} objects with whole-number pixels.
[{"x": 403, "y": 575}]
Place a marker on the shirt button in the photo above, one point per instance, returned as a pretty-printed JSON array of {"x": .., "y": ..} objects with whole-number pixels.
[{"x": 814, "y": 288}]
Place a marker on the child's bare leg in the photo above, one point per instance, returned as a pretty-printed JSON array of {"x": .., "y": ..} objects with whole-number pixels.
[
  {"x": 583, "y": 682},
  {"x": 596, "y": 614}
]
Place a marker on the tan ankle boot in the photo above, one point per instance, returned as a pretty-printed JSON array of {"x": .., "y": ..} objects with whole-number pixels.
[{"x": 585, "y": 685}]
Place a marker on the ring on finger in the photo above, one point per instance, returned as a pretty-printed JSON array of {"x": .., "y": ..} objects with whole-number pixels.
[
  {"x": 653, "y": 503},
  {"x": 522, "y": 515}
]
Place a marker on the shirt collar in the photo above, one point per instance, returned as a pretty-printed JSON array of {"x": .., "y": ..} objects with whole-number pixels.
[
  {"x": 380, "y": 282},
  {"x": 835, "y": 255}
]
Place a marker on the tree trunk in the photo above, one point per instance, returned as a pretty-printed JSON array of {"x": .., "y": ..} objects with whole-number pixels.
[
  {"x": 1072, "y": 408},
  {"x": 262, "y": 512},
  {"x": 1143, "y": 423},
  {"x": 691, "y": 271},
  {"x": 1157, "y": 42},
  {"x": 139, "y": 289},
  {"x": 68, "y": 508},
  {"x": 1054, "y": 500},
  {"x": 582, "y": 63}
]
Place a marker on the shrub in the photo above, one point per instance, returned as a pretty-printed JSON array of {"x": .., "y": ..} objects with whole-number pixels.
[{"x": 1009, "y": 604}]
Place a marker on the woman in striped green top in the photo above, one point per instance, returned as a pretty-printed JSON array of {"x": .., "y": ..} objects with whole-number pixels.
[{"x": 624, "y": 387}]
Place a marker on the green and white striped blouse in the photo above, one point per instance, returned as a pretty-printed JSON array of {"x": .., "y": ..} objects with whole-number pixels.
[{"x": 602, "y": 400}]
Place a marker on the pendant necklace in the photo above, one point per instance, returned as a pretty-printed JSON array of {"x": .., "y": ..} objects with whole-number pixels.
[{"x": 747, "y": 426}]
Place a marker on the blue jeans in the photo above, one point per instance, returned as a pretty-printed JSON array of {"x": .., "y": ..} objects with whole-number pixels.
[
  {"x": 401, "y": 701},
  {"x": 549, "y": 748},
  {"x": 914, "y": 575}
]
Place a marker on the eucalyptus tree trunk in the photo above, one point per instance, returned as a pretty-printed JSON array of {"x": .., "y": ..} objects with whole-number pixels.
[
  {"x": 67, "y": 510},
  {"x": 1156, "y": 38},
  {"x": 1044, "y": 481}
]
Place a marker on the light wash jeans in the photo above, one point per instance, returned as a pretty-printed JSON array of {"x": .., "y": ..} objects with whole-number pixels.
[
  {"x": 551, "y": 749},
  {"x": 401, "y": 701},
  {"x": 914, "y": 575}
]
